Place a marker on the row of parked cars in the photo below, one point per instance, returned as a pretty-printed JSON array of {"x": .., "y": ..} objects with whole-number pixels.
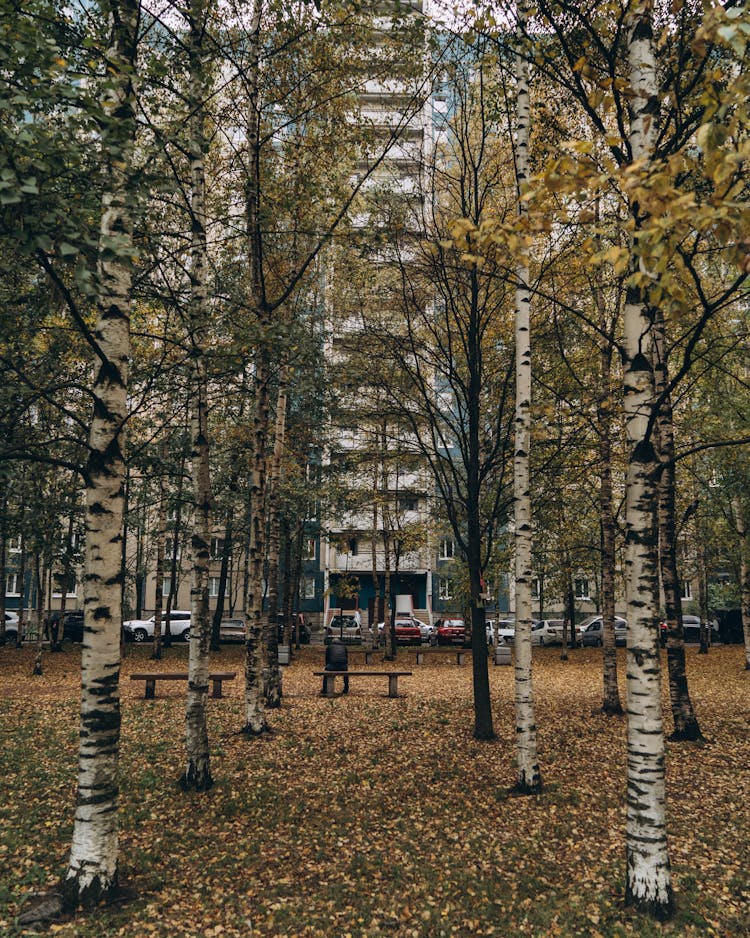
[
  {"x": 230, "y": 630},
  {"x": 142, "y": 630}
]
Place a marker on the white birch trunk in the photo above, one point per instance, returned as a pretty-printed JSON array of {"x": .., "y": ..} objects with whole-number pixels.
[
  {"x": 92, "y": 868},
  {"x": 273, "y": 683},
  {"x": 741, "y": 529},
  {"x": 528, "y": 779},
  {"x": 648, "y": 885},
  {"x": 161, "y": 541},
  {"x": 256, "y": 656},
  {"x": 197, "y": 775}
]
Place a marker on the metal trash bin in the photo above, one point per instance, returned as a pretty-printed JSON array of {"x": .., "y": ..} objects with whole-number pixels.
[{"x": 502, "y": 654}]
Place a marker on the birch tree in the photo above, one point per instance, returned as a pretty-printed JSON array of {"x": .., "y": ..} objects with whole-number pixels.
[
  {"x": 528, "y": 778},
  {"x": 197, "y": 775},
  {"x": 648, "y": 885},
  {"x": 92, "y": 866}
]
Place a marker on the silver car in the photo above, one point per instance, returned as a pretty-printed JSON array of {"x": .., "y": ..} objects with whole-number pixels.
[
  {"x": 142, "y": 630},
  {"x": 592, "y": 631}
]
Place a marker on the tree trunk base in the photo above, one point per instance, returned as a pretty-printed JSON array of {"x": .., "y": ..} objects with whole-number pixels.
[
  {"x": 690, "y": 733},
  {"x": 248, "y": 730},
  {"x": 196, "y": 778},
  {"x": 74, "y": 894},
  {"x": 661, "y": 911},
  {"x": 612, "y": 709},
  {"x": 484, "y": 736},
  {"x": 523, "y": 788}
]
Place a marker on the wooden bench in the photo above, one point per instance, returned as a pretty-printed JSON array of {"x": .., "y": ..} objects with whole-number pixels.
[
  {"x": 460, "y": 654},
  {"x": 153, "y": 676},
  {"x": 330, "y": 679}
]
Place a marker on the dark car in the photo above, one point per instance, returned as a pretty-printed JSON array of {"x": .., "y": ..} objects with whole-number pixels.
[
  {"x": 304, "y": 629},
  {"x": 73, "y": 626},
  {"x": 691, "y": 629}
]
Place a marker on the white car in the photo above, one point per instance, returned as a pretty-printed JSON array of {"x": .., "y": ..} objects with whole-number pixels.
[
  {"x": 429, "y": 633},
  {"x": 505, "y": 629},
  {"x": 11, "y": 627},
  {"x": 555, "y": 632},
  {"x": 541, "y": 634},
  {"x": 142, "y": 630}
]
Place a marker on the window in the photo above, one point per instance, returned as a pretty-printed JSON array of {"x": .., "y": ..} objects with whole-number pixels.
[
  {"x": 70, "y": 587},
  {"x": 171, "y": 514},
  {"x": 166, "y": 586},
  {"x": 535, "y": 587},
  {"x": 408, "y": 503},
  {"x": 687, "y": 590},
  {"x": 581, "y": 589},
  {"x": 217, "y": 547},
  {"x": 308, "y": 587},
  {"x": 353, "y": 546},
  {"x": 14, "y": 545},
  {"x": 445, "y": 588},
  {"x": 11, "y": 585},
  {"x": 308, "y": 548},
  {"x": 213, "y": 586},
  {"x": 447, "y": 549},
  {"x": 171, "y": 548}
]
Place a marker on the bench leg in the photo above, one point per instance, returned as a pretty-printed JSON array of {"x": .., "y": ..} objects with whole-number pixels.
[
  {"x": 393, "y": 685},
  {"x": 459, "y": 658},
  {"x": 329, "y": 682},
  {"x": 150, "y": 690},
  {"x": 368, "y": 657},
  {"x": 420, "y": 657},
  {"x": 216, "y": 686}
]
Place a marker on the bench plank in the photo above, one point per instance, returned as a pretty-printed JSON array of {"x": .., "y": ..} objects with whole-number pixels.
[
  {"x": 460, "y": 654},
  {"x": 151, "y": 677},
  {"x": 330, "y": 679}
]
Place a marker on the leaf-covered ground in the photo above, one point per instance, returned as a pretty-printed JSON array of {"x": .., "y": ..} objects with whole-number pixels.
[{"x": 366, "y": 816}]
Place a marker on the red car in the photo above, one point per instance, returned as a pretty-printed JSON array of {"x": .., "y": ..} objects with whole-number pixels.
[
  {"x": 408, "y": 632},
  {"x": 451, "y": 632}
]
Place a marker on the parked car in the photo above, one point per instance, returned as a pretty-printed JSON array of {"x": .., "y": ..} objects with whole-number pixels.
[
  {"x": 506, "y": 631},
  {"x": 555, "y": 631},
  {"x": 11, "y": 627},
  {"x": 347, "y": 627},
  {"x": 72, "y": 629},
  {"x": 592, "y": 631},
  {"x": 232, "y": 630},
  {"x": 429, "y": 633},
  {"x": 541, "y": 633},
  {"x": 451, "y": 632},
  {"x": 304, "y": 628},
  {"x": 408, "y": 631},
  {"x": 691, "y": 628},
  {"x": 142, "y": 630}
]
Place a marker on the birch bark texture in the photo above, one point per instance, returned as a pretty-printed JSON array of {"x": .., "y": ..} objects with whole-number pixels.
[
  {"x": 274, "y": 682},
  {"x": 255, "y": 652},
  {"x": 648, "y": 884},
  {"x": 740, "y": 526},
  {"x": 528, "y": 776},
  {"x": 197, "y": 774},
  {"x": 92, "y": 867}
]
